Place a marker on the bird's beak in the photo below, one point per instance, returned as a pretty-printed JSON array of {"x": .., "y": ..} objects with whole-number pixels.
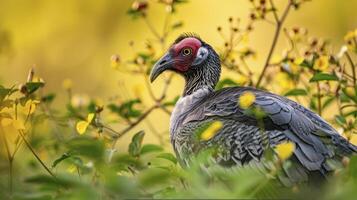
[{"x": 161, "y": 65}]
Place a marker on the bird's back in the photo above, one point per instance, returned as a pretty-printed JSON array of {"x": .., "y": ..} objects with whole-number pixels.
[{"x": 242, "y": 140}]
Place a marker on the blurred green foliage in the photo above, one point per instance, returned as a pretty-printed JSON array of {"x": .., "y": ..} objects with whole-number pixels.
[{"x": 71, "y": 151}]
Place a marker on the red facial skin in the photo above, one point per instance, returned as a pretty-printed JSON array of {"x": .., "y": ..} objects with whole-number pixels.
[{"x": 182, "y": 63}]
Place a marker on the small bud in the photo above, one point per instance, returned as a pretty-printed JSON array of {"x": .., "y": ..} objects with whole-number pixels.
[
  {"x": 235, "y": 29},
  {"x": 30, "y": 74},
  {"x": 115, "y": 60},
  {"x": 314, "y": 42},
  {"x": 230, "y": 19},
  {"x": 296, "y": 30},
  {"x": 169, "y": 8},
  {"x": 139, "y": 5},
  {"x": 99, "y": 109},
  {"x": 345, "y": 161},
  {"x": 226, "y": 44},
  {"x": 262, "y": 1},
  {"x": 219, "y": 28},
  {"x": 253, "y": 16},
  {"x": 250, "y": 28},
  {"x": 23, "y": 89},
  {"x": 67, "y": 84}
]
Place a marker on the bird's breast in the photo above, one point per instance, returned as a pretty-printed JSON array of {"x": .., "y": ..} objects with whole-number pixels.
[{"x": 183, "y": 107}]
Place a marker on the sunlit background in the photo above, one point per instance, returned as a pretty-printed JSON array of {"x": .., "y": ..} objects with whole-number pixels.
[{"x": 75, "y": 40}]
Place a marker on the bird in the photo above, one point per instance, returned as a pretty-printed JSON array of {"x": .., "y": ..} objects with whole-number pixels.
[{"x": 241, "y": 139}]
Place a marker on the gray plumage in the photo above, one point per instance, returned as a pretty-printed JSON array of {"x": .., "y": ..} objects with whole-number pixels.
[{"x": 242, "y": 140}]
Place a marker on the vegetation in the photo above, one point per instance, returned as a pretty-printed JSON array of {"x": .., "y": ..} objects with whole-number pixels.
[{"x": 73, "y": 148}]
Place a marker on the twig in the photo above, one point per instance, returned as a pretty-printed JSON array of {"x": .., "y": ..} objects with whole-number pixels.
[
  {"x": 279, "y": 24},
  {"x": 318, "y": 98},
  {"x": 352, "y": 66},
  {"x": 152, "y": 29},
  {"x": 141, "y": 118},
  {"x": 165, "y": 110},
  {"x": 35, "y": 154}
]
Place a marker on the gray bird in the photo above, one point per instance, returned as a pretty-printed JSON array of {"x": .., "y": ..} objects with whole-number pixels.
[{"x": 242, "y": 140}]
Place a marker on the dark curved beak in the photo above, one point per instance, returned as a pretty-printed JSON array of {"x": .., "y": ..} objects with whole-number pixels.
[{"x": 160, "y": 66}]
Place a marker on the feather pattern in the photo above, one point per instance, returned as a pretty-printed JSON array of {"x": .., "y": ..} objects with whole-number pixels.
[{"x": 242, "y": 141}]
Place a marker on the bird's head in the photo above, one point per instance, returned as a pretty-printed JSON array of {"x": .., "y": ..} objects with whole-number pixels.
[{"x": 191, "y": 57}]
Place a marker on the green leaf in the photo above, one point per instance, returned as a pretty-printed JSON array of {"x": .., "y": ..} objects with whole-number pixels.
[
  {"x": 168, "y": 156},
  {"x": 126, "y": 110},
  {"x": 6, "y": 92},
  {"x": 225, "y": 82},
  {"x": 296, "y": 92},
  {"x": 135, "y": 14},
  {"x": 328, "y": 102},
  {"x": 135, "y": 145},
  {"x": 60, "y": 159},
  {"x": 48, "y": 98},
  {"x": 33, "y": 86},
  {"x": 353, "y": 167},
  {"x": 153, "y": 176},
  {"x": 149, "y": 148},
  {"x": 6, "y": 103},
  {"x": 48, "y": 181},
  {"x": 323, "y": 77},
  {"x": 171, "y": 103},
  {"x": 177, "y": 25},
  {"x": 123, "y": 161},
  {"x": 340, "y": 120},
  {"x": 87, "y": 147}
]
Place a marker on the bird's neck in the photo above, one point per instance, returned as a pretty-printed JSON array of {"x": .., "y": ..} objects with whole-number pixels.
[{"x": 204, "y": 77}]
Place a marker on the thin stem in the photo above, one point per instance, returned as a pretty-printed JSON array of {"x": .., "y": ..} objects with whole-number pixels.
[
  {"x": 276, "y": 17},
  {"x": 35, "y": 154},
  {"x": 152, "y": 29},
  {"x": 10, "y": 159},
  {"x": 165, "y": 110},
  {"x": 352, "y": 67},
  {"x": 279, "y": 24},
  {"x": 141, "y": 118},
  {"x": 318, "y": 98}
]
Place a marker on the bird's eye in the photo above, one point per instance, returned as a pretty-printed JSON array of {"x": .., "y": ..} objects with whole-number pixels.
[{"x": 187, "y": 51}]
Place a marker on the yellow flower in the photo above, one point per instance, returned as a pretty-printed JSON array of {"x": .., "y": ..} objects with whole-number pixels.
[
  {"x": 298, "y": 60},
  {"x": 83, "y": 125},
  {"x": 211, "y": 131},
  {"x": 353, "y": 139},
  {"x": 80, "y": 100},
  {"x": 284, "y": 150},
  {"x": 18, "y": 124},
  {"x": 6, "y": 122},
  {"x": 350, "y": 35},
  {"x": 284, "y": 81},
  {"x": 241, "y": 80},
  {"x": 246, "y": 100},
  {"x": 321, "y": 64},
  {"x": 37, "y": 79},
  {"x": 71, "y": 169},
  {"x": 115, "y": 61},
  {"x": 67, "y": 84},
  {"x": 350, "y": 91},
  {"x": 29, "y": 107}
]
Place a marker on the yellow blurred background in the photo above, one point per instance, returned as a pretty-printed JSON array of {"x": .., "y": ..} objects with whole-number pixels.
[{"x": 74, "y": 40}]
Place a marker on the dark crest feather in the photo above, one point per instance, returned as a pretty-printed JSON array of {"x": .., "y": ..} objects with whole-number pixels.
[{"x": 187, "y": 35}]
